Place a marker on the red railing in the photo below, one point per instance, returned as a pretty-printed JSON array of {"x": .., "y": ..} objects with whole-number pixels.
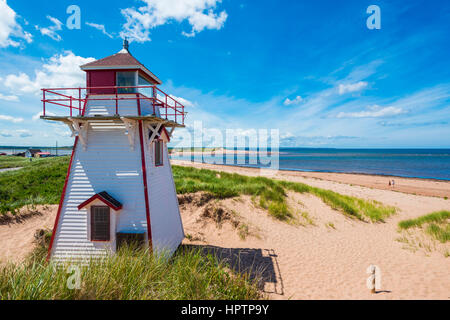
[{"x": 75, "y": 100}]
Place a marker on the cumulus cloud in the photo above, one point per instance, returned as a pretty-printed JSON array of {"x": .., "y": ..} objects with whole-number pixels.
[
  {"x": 100, "y": 27},
  {"x": 352, "y": 87},
  {"x": 183, "y": 101},
  {"x": 61, "y": 70},
  {"x": 10, "y": 118},
  {"x": 374, "y": 111},
  {"x": 52, "y": 31},
  {"x": 200, "y": 14},
  {"x": 8, "y": 97},
  {"x": 9, "y": 27},
  {"x": 296, "y": 101}
]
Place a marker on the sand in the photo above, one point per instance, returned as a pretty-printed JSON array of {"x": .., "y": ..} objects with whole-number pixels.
[
  {"x": 322, "y": 257},
  {"x": 320, "y": 262},
  {"x": 17, "y": 235},
  {"x": 425, "y": 187}
]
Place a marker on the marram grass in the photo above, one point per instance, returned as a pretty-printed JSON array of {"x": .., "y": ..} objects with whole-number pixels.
[
  {"x": 435, "y": 224},
  {"x": 41, "y": 182},
  {"x": 273, "y": 193},
  {"x": 129, "y": 275}
]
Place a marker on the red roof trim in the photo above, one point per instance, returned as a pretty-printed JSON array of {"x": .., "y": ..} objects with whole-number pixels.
[{"x": 99, "y": 197}]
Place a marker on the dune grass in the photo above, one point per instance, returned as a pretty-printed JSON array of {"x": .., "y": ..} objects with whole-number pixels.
[
  {"x": 39, "y": 182},
  {"x": 273, "y": 193},
  {"x": 129, "y": 275},
  {"x": 13, "y": 162},
  {"x": 436, "y": 224}
]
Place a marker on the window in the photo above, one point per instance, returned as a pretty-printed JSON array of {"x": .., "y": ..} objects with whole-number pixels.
[
  {"x": 100, "y": 222},
  {"x": 145, "y": 91},
  {"x": 159, "y": 152},
  {"x": 126, "y": 79}
]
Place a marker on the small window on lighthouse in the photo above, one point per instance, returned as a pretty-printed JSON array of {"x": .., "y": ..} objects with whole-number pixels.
[
  {"x": 100, "y": 223},
  {"x": 126, "y": 79},
  {"x": 159, "y": 152}
]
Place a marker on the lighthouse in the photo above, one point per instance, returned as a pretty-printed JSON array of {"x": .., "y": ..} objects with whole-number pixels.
[{"x": 119, "y": 186}]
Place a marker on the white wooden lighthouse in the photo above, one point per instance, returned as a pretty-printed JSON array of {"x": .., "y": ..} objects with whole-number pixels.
[{"x": 119, "y": 185}]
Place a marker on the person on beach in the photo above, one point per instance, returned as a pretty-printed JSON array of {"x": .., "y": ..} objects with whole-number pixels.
[
  {"x": 393, "y": 183},
  {"x": 389, "y": 183}
]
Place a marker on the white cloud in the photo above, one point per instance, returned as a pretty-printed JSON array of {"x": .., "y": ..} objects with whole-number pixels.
[
  {"x": 296, "y": 101},
  {"x": 100, "y": 27},
  {"x": 40, "y": 113},
  {"x": 10, "y": 28},
  {"x": 5, "y": 134},
  {"x": 200, "y": 14},
  {"x": 61, "y": 70},
  {"x": 352, "y": 87},
  {"x": 10, "y": 118},
  {"x": 374, "y": 111},
  {"x": 52, "y": 30},
  {"x": 183, "y": 101},
  {"x": 8, "y": 97},
  {"x": 24, "y": 133}
]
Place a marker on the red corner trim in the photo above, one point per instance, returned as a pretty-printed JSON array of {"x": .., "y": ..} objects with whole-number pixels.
[
  {"x": 144, "y": 177},
  {"x": 96, "y": 196}
]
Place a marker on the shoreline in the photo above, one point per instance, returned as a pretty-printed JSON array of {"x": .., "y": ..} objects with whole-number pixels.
[{"x": 411, "y": 185}]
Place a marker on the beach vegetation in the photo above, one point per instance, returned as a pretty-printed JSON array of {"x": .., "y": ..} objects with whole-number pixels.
[
  {"x": 436, "y": 224},
  {"x": 39, "y": 182},
  {"x": 132, "y": 274},
  {"x": 272, "y": 194}
]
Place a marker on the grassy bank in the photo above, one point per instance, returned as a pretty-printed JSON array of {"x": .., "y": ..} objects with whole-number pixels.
[
  {"x": 133, "y": 275},
  {"x": 39, "y": 182},
  {"x": 435, "y": 224},
  {"x": 272, "y": 194},
  {"x": 13, "y": 162}
]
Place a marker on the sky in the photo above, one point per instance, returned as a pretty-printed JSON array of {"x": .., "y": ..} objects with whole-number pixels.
[{"x": 311, "y": 69}]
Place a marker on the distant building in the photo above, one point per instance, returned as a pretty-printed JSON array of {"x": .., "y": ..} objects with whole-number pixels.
[
  {"x": 30, "y": 153},
  {"x": 42, "y": 155}
]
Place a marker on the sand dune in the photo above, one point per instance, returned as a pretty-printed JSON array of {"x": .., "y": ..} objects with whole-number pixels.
[
  {"x": 320, "y": 262},
  {"x": 324, "y": 255},
  {"x": 17, "y": 235}
]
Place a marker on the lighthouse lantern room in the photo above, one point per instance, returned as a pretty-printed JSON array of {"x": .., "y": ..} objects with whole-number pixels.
[{"x": 119, "y": 185}]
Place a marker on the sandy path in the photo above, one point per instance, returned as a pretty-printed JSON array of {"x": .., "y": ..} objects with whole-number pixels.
[
  {"x": 318, "y": 262},
  {"x": 17, "y": 237},
  {"x": 425, "y": 187}
]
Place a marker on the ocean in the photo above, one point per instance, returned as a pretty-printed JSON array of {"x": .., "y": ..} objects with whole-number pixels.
[{"x": 414, "y": 163}]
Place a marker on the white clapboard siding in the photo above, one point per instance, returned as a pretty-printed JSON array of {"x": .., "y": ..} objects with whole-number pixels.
[
  {"x": 108, "y": 164},
  {"x": 167, "y": 228}
]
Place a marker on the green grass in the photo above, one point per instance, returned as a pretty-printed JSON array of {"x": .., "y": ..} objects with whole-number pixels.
[
  {"x": 39, "y": 182},
  {"x": 437, "y": 217},
  {"x": 273, "y": 193},
  {"x": 13, "y": 162},
  {"x": 436, "y": 225},
  {"x": 129, "y": 275}
]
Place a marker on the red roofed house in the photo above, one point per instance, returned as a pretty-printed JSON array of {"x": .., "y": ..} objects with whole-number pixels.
[{"x": 119, "y": 185}]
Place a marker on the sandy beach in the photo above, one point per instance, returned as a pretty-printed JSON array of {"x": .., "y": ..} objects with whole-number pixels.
[
  {"x": 322, "y": 262},
  {"x": 323, "y": 256}
]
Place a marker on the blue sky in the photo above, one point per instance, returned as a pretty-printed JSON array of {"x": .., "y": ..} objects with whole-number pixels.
[{"x": 311, "y": 69}]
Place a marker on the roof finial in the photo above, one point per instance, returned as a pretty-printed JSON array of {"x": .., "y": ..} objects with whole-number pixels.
[{"x": 125, "y": 44}]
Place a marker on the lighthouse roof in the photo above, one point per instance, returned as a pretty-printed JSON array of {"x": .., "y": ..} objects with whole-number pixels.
[{"x": 121, "y": 60}]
